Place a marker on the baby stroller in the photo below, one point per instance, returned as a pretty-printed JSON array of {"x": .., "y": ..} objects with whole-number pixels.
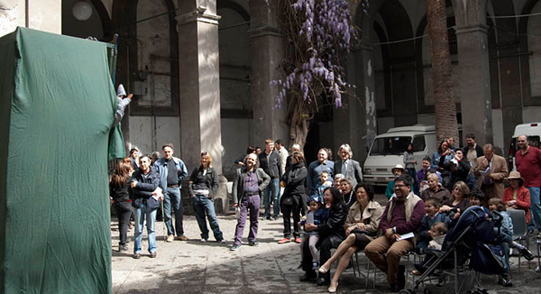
[{"x": 467, "y": 241}]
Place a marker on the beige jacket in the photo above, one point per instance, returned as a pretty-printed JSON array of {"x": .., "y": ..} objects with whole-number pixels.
[
  {"x": 499, "y": 173},
  {"x": 371, "y": 217}
]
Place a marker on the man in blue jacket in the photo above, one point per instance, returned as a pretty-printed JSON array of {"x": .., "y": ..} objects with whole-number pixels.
[
  {"x": 144, "y": 182},
  {"x": 172, "y": 170}
]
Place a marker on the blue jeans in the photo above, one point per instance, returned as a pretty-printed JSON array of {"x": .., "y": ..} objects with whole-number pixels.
[
  {"x": 201, "y": 206},
  {"x": 140, "y": 215},
  {"x": 271, "y": 194},
  {"x": 172, "y": 201},
  {"x": 535, "y": 207}
]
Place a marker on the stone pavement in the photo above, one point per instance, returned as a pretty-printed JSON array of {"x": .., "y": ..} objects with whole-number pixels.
[{"x": 196, "y": 267}]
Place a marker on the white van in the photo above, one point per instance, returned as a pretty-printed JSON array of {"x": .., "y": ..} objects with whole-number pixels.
[
  {"x": 532, "y": 130},
  {"x": 387, "y": 150}
]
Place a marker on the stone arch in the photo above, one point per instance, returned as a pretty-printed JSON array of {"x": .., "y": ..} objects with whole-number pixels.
[{"x": 105, "y": 20}]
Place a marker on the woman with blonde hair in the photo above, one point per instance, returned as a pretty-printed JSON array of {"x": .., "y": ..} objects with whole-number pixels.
[
  {"x": 202, "y": 187},
  {"x": 460, "y": 198}
]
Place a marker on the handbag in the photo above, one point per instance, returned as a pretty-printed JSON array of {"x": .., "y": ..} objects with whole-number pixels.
[{"x": 287, "y": 201}]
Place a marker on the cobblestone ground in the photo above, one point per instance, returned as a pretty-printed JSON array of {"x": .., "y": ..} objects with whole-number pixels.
[{"x": 196, "y": 267}]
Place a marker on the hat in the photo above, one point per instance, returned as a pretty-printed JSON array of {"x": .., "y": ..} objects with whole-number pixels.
[
  {"x": 316, "y": 198},
  {"x": 120, "y": 91},
  {"x": 515, "y": 175},
  {"x": 398, "y": 166}
]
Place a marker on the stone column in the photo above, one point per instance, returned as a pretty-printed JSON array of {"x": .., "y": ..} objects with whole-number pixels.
[
  {"x": 199, "y": 80},
  {"x": 366, "y": 89},
  {"x": 474, "y": 72},
  {"x": 44, "y": 15},
  {"x": 267, "y": 54}
]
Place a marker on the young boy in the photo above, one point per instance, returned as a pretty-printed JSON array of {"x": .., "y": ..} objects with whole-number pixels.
[
  {"x": 431, "y": 217},
  {"x": 324, "y": 183}
]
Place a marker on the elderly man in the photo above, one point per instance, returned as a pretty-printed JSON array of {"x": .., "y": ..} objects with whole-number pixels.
[
  {"x": 316, "y": 168},
  {"x": 402, "y": 217},
  {"x": 528, "y": 161},
  {"x": 248, "y": 185},
  {"x": 490, "y": 170},
  {"x": 347, "y": 166}
]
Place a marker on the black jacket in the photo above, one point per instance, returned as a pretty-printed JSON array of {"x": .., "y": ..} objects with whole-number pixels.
[
  {"x": 335, "y": 223},
  {"x": 120, "y": 193},
  {"x": 478, "y": 148},
  {"x": 272, "y": 166},
  {"x": 238, "y": 183},
  {"x": 211, "y": 180},
  {"x": 295, "y": 179},
  {"x": 145, "y": 185}
]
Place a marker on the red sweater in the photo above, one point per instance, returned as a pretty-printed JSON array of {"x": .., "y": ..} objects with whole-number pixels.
[
  {"x": 523, "y": 199},
  {"x": 529, "y": 166}
]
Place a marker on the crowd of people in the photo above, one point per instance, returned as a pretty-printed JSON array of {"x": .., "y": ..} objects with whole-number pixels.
[{"x": 325, "y": 204}]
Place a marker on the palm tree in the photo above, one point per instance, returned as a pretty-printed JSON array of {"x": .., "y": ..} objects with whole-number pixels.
[{"x": 444, "y": 101}]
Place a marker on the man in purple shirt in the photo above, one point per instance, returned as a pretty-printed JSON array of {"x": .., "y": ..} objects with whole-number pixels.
[
  {"x": 402, "y": 216},
  {"x": 248, "y": 185}
]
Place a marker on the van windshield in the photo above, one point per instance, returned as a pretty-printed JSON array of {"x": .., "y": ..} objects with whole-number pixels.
[{"x": 390, "y": 145}]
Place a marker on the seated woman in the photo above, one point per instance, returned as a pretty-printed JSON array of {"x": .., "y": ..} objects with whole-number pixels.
[
  {"x": 362, "y": 225},
  {"x": 331, "y": 234},
  {"x": 460, "y": 199},
  {"x": 435, "y": 189},
  {"x": 346, "y": 187},
  {"x": 517, "y": 196}
]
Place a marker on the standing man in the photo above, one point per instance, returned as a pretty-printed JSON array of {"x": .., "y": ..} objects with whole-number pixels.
[
  {"x": 248, "y": 184},
  {"x": 528, "y": 162},
  {"x": 283, "y": 154},
  {"x": 490, "y": 170},
  {"x": 144, "y": 182},
  {"x": 472, "y": 151},
  {"x": 269, "y": 161},
  {"x": 350, "y": 168},
  {"x": 316, "y": 168},
  {"x": 402, "y": 215},
  {"x": 172, "y": 171},
  {"x": 133, "y": 158},
  {"x": 451, "y": 143}
]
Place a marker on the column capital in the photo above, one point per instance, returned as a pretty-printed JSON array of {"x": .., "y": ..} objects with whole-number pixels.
[
  {"x": 479, "y": 27},
  {"x": 264, "y": 31},
  {"x": 197, "y": 16}
]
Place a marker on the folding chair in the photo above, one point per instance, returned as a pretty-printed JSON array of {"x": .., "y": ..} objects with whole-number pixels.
[{"x": 520, "y": 229}]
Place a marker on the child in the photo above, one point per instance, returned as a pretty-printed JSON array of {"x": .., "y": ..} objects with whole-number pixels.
[
  {"x": 477, "y": 197},
  {"x": 315, "y": 215},
  {"x": 431, "y": 217},
  {"x": 122, "y": 104},
  {"x": 323, "y": 184},
  {"x": 437, "y": 232},
  {"x": 504, "y": 236}
]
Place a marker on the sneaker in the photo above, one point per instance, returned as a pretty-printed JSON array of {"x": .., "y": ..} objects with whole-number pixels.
[
  {"x": 298, "y": 240},
  {"x": 284, "y": 240},
  {"x": 223, "y": 241},
  {"x": 181, "y": 238},
  {"x": 170, "y": 238},
  {"x": 538, "y": 269},
  {"x": 122, "y": 248},
  {"x": 153, "y": 254},
  {"x": 203, "y": 240},
  {"x": 526, "y": 253},
  {"x": 253, "y": 243},
  {"x": 136, "y": 255},
  {"x": 539, "y": 235},
  {"x": 235, "y": 247},
  {"x": 506, "y": 282}
]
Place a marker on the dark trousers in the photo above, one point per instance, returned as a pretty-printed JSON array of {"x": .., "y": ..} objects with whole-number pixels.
[
  {"x": 286, "y": 213},
  {"x": 324, "y": 254},
  {"x": 123, "y": 211}
]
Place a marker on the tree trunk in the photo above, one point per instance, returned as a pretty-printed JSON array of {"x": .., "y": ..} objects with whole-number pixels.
[
  {"x": 444, "y": 101},
  {"x": 300, "y": 122}
]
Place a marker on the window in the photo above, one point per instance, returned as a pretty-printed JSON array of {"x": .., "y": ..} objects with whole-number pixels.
[
  {"x": 390, "y": 145},
  {"x": 419, "y": 143}
]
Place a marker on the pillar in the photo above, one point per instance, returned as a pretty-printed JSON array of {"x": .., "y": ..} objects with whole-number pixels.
[
  {"x": 474, "y": 69},
  {"x": 199, "y": 82},
  {"x": 267, "y": 54},
  {"x": 44, "y": 15}
]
